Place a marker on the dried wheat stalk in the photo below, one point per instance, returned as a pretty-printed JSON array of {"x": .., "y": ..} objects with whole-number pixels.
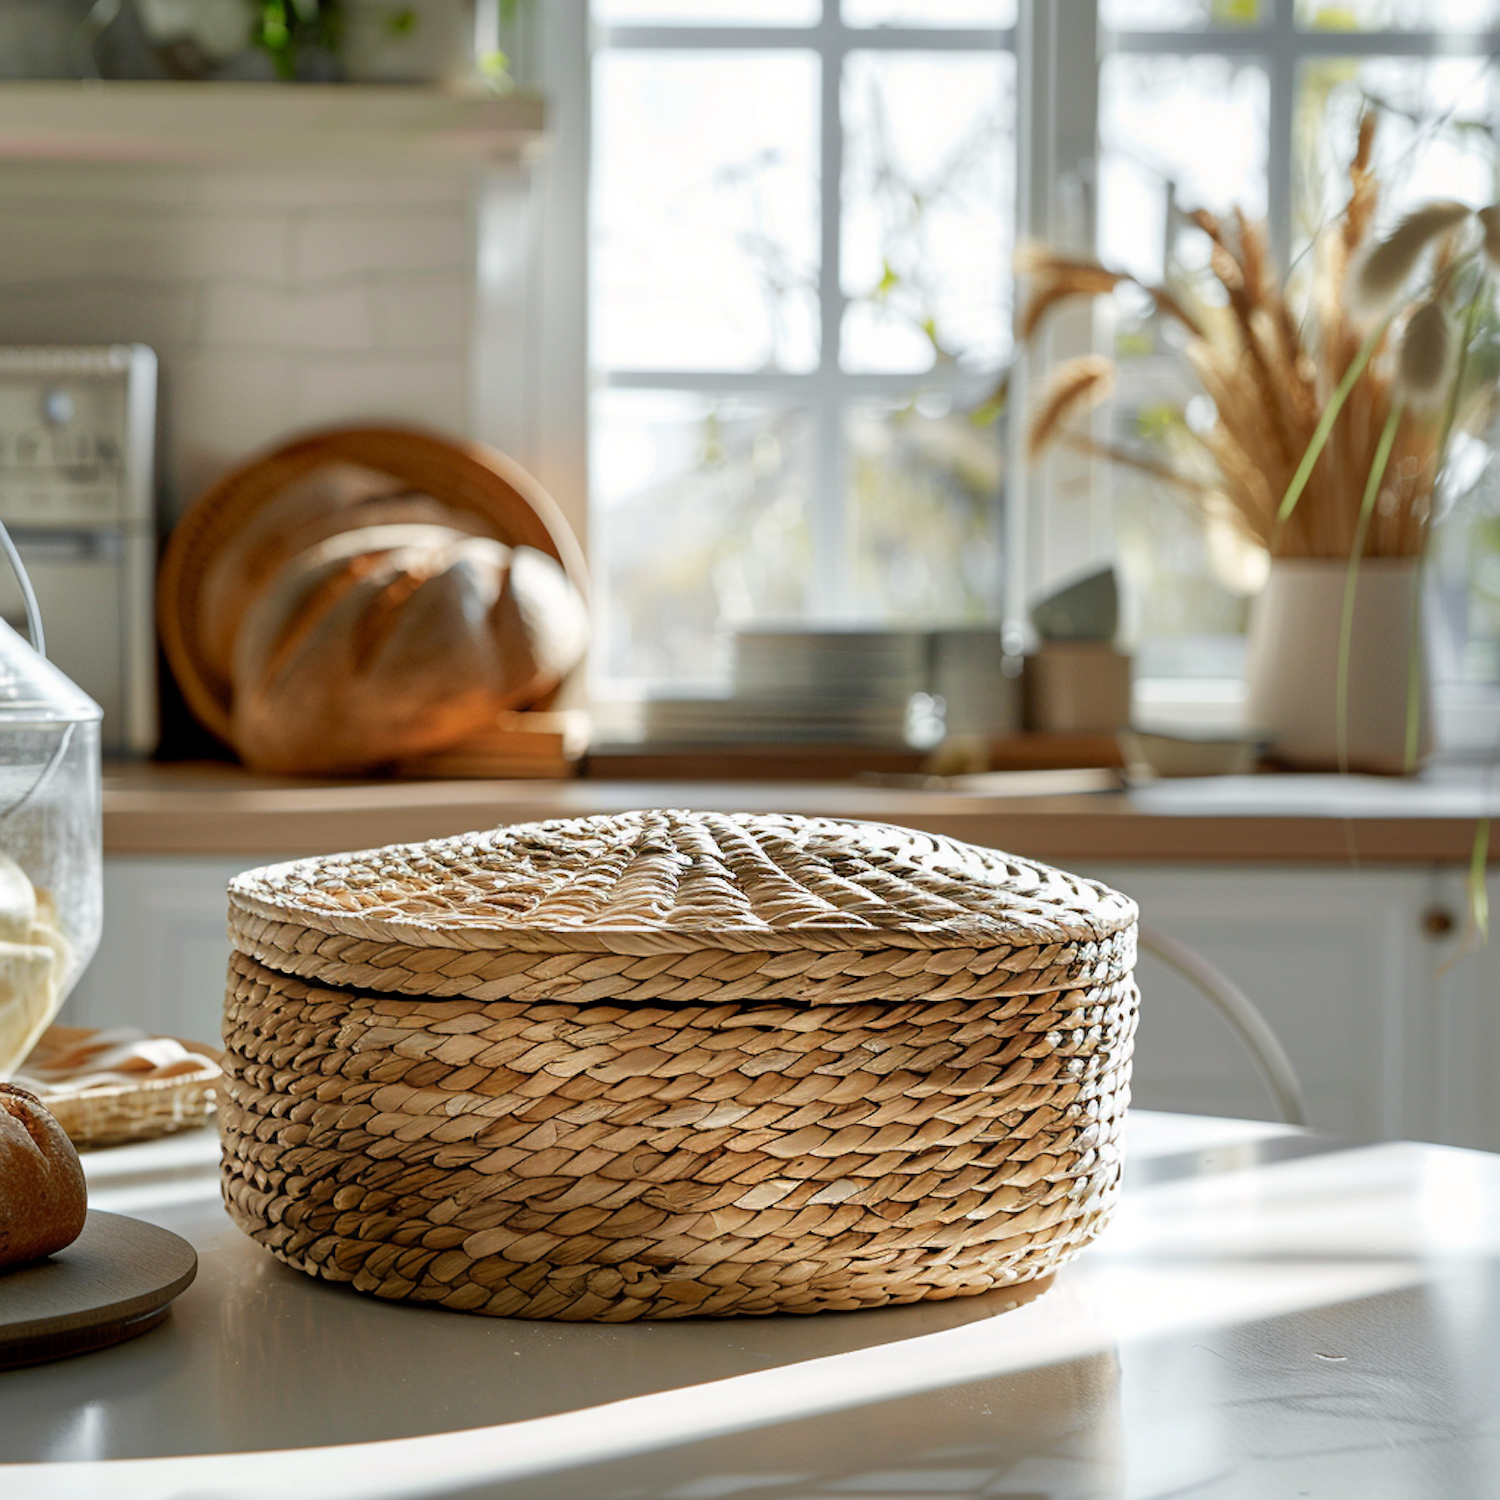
[{"x": 1272, "y": 373}]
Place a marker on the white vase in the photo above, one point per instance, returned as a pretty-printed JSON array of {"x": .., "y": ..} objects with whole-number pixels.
[
  {"x": 422, "y": 41},
  {"x": 1292, "y": 665}
]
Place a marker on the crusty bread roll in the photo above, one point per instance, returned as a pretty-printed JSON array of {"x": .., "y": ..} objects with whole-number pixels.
[
  {"x": 43, "y": 1199},
  {"x": 388, "y": 642}
]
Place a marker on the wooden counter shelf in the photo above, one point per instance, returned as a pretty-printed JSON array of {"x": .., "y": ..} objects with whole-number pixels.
[{"x": 210, "y": 809}]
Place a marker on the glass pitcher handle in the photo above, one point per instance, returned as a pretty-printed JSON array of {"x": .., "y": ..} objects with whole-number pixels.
[
  {"x": 39, "y": 645},
  {"x": 28, "y": 594}
]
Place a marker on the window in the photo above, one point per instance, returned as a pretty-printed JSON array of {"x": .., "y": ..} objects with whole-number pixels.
[
  {"x": 1216, "y": 102},
  {"x": 803, "y": 215},
  {"x": 802, "y": 226}
]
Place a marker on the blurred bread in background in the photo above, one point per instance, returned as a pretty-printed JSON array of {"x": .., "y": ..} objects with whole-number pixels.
[
  {"x": 366, "y": 597},
  {"x": 394, "y": 641}
]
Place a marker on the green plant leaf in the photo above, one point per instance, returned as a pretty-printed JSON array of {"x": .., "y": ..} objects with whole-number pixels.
[
  {"x": 1478, "y": 885},
  {"x": 1373, "y": 482},
  {"x": 1153, "y": 424},
  {"x": 494, "y": 68},
  {"x": 1236, "y": 12},
  {"x": 990, "y": 410},
  {"x": 1330, "y": 415}
]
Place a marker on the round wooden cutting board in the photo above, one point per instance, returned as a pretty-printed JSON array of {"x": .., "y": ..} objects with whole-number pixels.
[{"x": 117, "y": 1279}]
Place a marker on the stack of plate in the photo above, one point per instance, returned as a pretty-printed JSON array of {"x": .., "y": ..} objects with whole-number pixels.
[{"x": 846, "y": 686}]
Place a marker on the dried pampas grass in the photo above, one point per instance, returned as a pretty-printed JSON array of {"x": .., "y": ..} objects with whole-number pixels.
[
  {"x": 1384, "y": 272},
  {"x": 1489, "y": 222},
  {"x": 1424, "y": 365},
  {"x": 1073, "y": 387},
  {"x": 1302, "y": 393}
]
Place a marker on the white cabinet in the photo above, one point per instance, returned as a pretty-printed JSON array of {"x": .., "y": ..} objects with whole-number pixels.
[
  {"x": 165, "y": 949},
  {"x": 1392, "y": 1035},
  {"x": 1392, "y": 1032}
]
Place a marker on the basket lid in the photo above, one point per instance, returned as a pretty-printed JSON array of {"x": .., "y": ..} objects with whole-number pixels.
[{"x": 659, "y": 889}]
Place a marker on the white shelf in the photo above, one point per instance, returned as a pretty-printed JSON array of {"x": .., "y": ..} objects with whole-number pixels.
[{"x": 267, "y": 124}]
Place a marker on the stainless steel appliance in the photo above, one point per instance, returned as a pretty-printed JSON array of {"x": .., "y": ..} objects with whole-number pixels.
[{"x": 77, "y": 438}]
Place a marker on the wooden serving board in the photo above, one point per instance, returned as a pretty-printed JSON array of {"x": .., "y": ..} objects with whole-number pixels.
[{"x": 116, "y": 1280}]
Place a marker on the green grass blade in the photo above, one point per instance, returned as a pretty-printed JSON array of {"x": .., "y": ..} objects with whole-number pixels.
[
  {"x": 1330, "y": 415},
  {"x": 1351, "y": 580},
  {"x": 1414, "y": 669},
  {"x": 1479, "y": 892}
]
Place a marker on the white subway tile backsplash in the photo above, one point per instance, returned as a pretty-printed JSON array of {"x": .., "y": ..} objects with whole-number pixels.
[
  {"x": 221, "y": 407},
  {"x": 420, "y": 389},
  {"x": 83, "y": 186},
  {"x": 325, "y": 187},
  {"x": 103, "y": 308},
  {"x": 42, "y": 242},
  {"x": 423, "y": 311},
  {"x": 334, "y": 244},
  {"x": 277, "y": 301},
  {"x": 265, "y": 314},
  {"x": 201, "y": 245}
]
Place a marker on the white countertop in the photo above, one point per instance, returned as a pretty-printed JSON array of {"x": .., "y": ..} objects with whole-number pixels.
[{"x": 1270, "y": 1314}]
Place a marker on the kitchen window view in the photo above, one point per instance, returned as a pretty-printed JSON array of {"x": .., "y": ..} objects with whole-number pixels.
[
  {"x": 792, "y": 329},
  {"x": 796, "y": 336},
  {"x": 1258, "y": 105},
  {"x": 749, "y": 748}
]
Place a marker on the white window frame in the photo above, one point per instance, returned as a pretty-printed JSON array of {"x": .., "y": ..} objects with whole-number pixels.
[
  {"x": 1282, "y": 48},
  {"x": 1056, "y": 520},
  {"x": 828, "y": 392}
]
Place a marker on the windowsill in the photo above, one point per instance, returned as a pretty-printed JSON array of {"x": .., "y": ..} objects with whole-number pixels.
[{"x": 1466, "y": 716}]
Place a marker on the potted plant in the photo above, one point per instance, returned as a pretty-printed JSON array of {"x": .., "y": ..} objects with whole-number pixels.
[
  {"x": 364, "y": 41},
  {"x": 1333, "y": 413}
]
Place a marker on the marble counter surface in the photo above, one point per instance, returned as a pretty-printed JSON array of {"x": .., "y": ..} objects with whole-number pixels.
[{"x": 1270, "y": 1314}]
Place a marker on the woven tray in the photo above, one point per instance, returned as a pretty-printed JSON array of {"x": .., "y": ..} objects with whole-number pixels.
[
  {"x": 137, "y": 1111},
  {"x": 666, "y": 1064}
]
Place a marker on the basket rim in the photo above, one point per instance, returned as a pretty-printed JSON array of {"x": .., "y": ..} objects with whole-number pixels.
[
  {"x": 648, "y": 941},
  {"x": 645, "y": 940},
  {"x": 273, "y": 901}
]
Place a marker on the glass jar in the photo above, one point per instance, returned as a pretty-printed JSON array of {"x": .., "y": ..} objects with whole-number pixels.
[{"x": 51, "y": 842}]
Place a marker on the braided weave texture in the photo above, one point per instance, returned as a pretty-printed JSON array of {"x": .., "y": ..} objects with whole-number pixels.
[{"x": 925, "y": 1101}]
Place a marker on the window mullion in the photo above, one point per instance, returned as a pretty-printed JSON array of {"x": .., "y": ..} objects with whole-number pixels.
[
  {"x": 831, "y": 573},
  {"x": 1057, "y": 516},
  {"x": 1283, "y": 61}
]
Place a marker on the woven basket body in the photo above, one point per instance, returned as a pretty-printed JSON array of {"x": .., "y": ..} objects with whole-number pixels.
[{"x": 668, "y": 1064}]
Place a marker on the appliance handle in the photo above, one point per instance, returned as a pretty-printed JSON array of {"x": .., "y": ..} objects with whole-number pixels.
[{"x": 28, "y": 594}]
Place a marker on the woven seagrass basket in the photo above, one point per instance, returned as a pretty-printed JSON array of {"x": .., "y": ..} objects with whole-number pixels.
[{"x": 667, "y": 1064}]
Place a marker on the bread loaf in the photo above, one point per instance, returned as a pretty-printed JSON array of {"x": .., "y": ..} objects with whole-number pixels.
[
  {"x": 311, "y": 638},
  {"x": 388, "y": 642},
  {"x": 43, "y": 1200},
  {"x": 333, "y": 498}
]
